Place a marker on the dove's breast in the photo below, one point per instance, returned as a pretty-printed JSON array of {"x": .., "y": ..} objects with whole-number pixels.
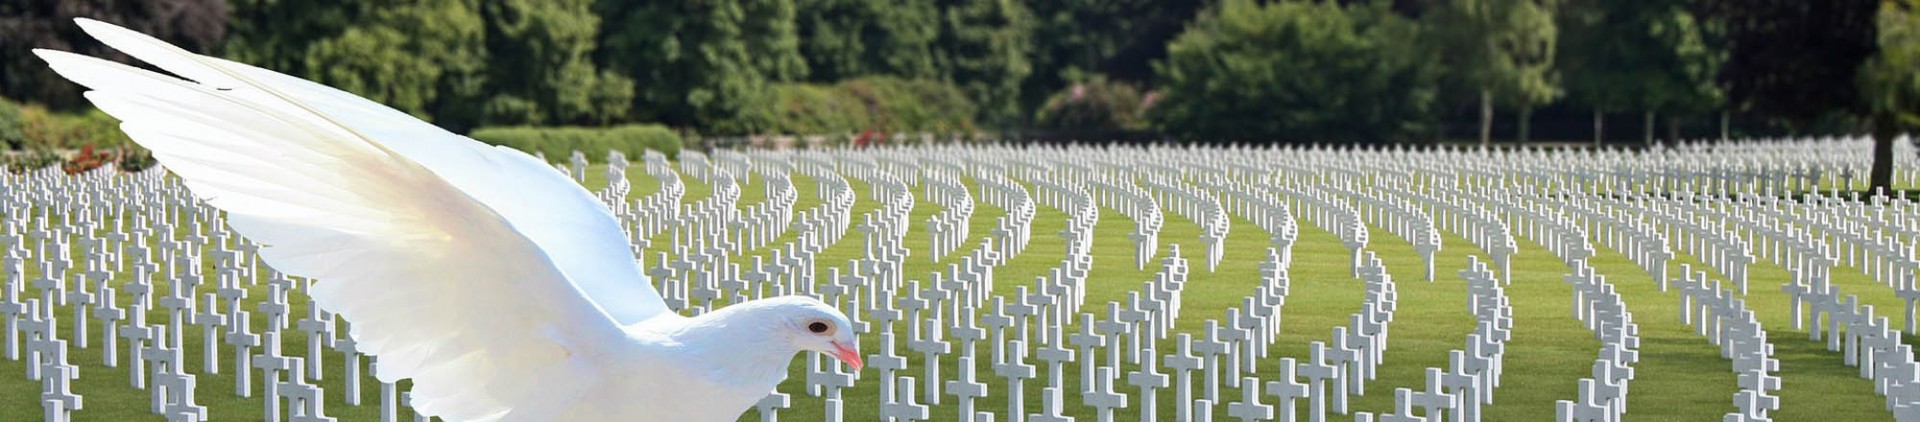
[
  {"x": 663, "y": 379},
  {"x": 665, "y": 396}
]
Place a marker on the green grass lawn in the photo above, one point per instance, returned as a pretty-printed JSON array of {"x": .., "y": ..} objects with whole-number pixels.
[{"x": 1679, "y": 377}]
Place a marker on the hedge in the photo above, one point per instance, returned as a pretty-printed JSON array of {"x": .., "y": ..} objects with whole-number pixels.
[{"x": 558, "y": 143}]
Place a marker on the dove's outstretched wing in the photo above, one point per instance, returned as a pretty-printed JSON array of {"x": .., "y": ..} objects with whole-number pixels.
[
  {"x": 451, "y": 260},
  {"x": 563, "y": 218}
]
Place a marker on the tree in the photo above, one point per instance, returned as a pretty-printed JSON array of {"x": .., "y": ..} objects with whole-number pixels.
[
  {"x": 1796, "y": 61},
  {"x": 1503, "y": 49},
  {"x": 985, "y": 48},
  {"x": 424, "y": 58},
  {"x": 196, "y": 25},
  {"x": 460, "y": 63},
  {"x": 846, "y": 39},
  {"x": 1119, "y": 40},
  {"x": 541, "y": 51},
  {"x": 275, "y": 34},
  {"x": 1890, "y": 83},
  {"x": 702, "y": 64},
  {"x": 1651, "y": 56},
  {"x": 1296, "y": 71},
  {"x": 1097, "y": 107}
]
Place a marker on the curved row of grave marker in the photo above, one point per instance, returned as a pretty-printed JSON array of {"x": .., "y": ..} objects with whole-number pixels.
[
  {"x": 1602, "y": 397},
  {"x": 1477, "y": 194}
]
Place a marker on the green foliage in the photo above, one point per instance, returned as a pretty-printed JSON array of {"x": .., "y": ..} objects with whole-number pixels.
[
  {"x": 422, "y": 57},
  {"x": 707, "y": 65},
  {"x": 45, "y": 129},
  {"x": 540, "y": 51},
  {"x": 900, "y": 105},
  {"x": 1817, "y": 76},
  {"x": 985, "y": 48},
  {"x": 135, "y": 159},
  {"x": 557, "y": 143},
  {"x": 1118, "y": 39},
  {"x": 275, "y": 34},
  {"x": 1649, "y": 55},
  {"x": 20, "y": 161},
  {"x": 1296, "y": 71},
  {"x": 1890, "y": 81},
  {"x": 12, "y": 125},
  {"x": 1504, "y": 48},
  {"x": 808, "y": 109},
  {"x": 461, "y": 63},
  {"x": 195, "y": 25},
  {"x": 982, "y": 46},
  {"x": 882, "y": 104},
  {"x": 1097, "y": 106},
  {"x": 846, "y": 39},
  {"x": 30, "y": 129}
]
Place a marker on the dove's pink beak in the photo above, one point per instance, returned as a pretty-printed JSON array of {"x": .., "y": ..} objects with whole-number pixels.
[{"x": 848, "y": 354}]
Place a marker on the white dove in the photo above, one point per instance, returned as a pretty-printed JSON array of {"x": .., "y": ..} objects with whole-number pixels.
[{"x": 502, "y": 289}]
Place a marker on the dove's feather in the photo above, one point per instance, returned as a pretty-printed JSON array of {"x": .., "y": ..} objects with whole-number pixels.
[
  {"x": 457, "y": 293},
  {"x": 565, "y": 220},
  {"x": 577, "y": 232}
]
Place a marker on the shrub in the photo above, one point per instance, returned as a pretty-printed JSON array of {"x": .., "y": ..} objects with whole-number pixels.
[
  {"x": 558, "y": 143},
  {"x": 12, "y": 130},
  {"x": 1093, "y": 106},
  {"x": 881, "y": 103},
  {"x": 41, "y": 128},
  {"x": 635, "y": 140},
  {"x": 806, "y": 109},
  {"x": 87, "y": 160},
  {"x": 135, "y": 158},
  {"x": 902, "y": 105},
  {"x": 1301, "y": 71},
  {"x": 30, "y": 159}
]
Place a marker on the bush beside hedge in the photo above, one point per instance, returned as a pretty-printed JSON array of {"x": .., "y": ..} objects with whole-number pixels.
[
  {"x": 1094, "y": 106},
  {"x": 35, "y": 137},
  {"x": 815, "y": 109},
  {"x": 12, "y": 125},
  {"x": 881, "y": 104},
  {"x": 31, "y": 126},
  {"x": 557, "y": 143}
]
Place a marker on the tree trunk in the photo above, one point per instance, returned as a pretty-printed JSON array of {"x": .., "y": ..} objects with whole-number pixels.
[
  {"x": 1725, "y": 135},
  {"x": 1599, "y": 131},
  {"x": 1880, "y": 178},
  {"x": 1673, "y": 128},
  {"x": 1486, "y": 117},
  {"x": 1649, "y": 122},
  {"x": 1526, "y": 122}
]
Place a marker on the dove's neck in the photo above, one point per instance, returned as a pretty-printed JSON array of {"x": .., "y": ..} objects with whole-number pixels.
[{"x": 741, "y": 345}]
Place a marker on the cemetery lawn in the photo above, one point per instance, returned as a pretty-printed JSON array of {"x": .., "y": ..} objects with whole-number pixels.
[{"x": 1680, "y": 376}]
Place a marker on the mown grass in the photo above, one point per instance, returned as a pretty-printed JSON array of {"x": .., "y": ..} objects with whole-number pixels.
[{"x": 1680, "y": 376}]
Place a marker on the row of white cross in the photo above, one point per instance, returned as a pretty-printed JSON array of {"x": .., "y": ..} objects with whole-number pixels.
[{"x": 146, "y": 251}]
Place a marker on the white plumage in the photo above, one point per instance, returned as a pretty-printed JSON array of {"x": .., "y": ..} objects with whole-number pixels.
[{"x": 501, "y": 288}]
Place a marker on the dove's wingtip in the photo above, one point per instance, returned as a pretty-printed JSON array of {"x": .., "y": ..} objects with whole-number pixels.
[
  {"x": 97, "y": 28},
  {"x": 50, "y": 55}
]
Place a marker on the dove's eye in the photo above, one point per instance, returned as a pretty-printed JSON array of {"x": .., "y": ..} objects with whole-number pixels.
[{"x": 818, "y": 327}]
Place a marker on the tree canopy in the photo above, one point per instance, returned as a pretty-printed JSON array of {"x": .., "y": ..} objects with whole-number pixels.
[
  {"x": 1297, "y": 71},
  {"x": 196, "y": 25},
  {"x": 1306, "y": 70},
  {"x": 1631, "y": 56}
]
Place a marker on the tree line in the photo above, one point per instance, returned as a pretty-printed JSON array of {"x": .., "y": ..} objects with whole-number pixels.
[{"x": 1231, "y": 70}]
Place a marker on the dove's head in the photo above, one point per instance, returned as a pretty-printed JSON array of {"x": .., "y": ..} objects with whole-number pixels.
[{"x": 809, "y": 324}]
